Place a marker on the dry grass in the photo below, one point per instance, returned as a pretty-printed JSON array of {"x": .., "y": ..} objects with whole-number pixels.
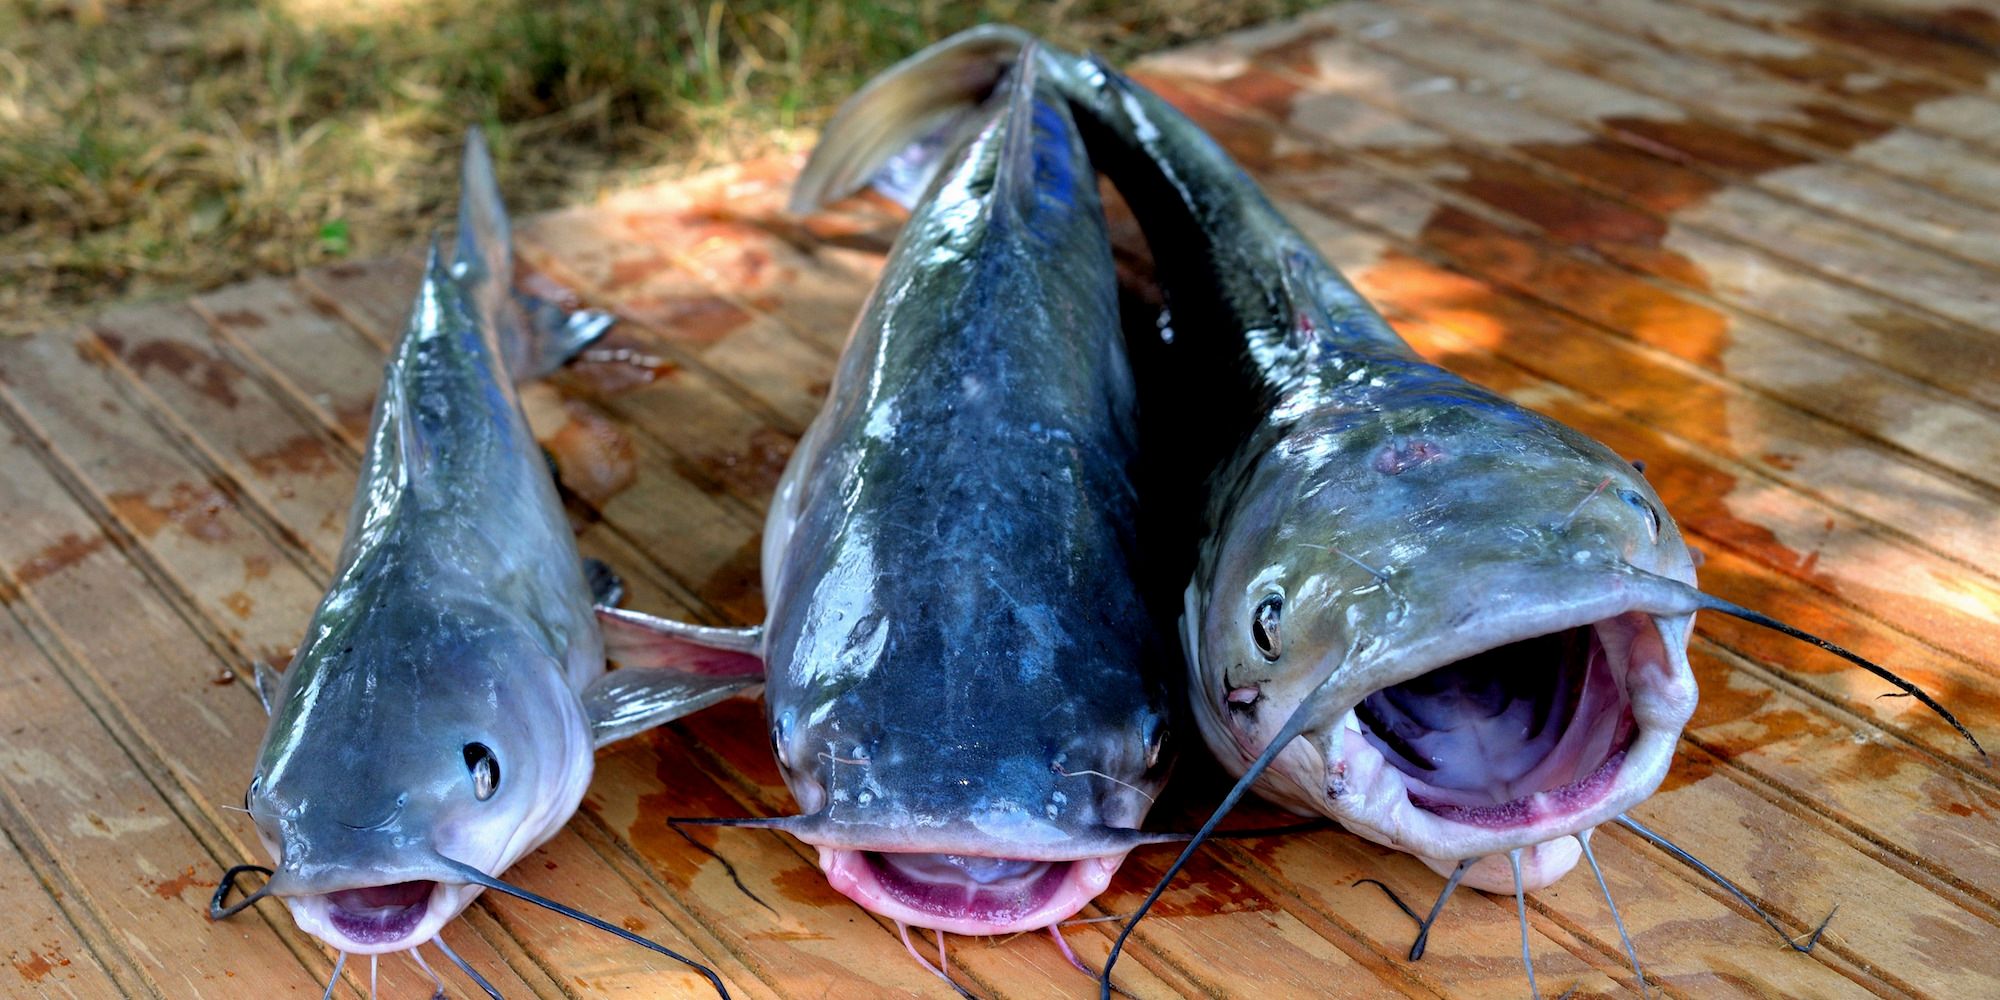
[{"x": 160, "y": 146}]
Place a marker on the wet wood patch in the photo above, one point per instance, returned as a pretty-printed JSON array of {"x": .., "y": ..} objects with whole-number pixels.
[{"x": 1754, "y": 243}]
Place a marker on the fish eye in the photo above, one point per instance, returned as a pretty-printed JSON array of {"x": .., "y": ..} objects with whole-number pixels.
[
  {"x": 1264, "y": 626},
  {"x": 1652, "y": 516},
  {"x": 248, "y": 793},
  {"x": 485, "y": 770},
  {"x": 781, "y": 732}
]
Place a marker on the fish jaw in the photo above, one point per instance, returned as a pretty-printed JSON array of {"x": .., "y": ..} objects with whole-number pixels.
[
  {"x": 1612, "y": 754},
  {"x": 376, "y": 920},
  {"x": 967, "y": 894}
]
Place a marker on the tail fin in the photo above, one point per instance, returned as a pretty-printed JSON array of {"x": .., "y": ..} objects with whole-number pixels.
[
  {"x": 903, "y": 115},
  {"x": 536, "y": 334}
]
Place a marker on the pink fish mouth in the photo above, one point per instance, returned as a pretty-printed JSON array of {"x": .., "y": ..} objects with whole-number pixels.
[
  {"x": 967, "y": 894},
  {"x": 379, "y": 914},
  {"x": 1522, "y": 745},
  {"x": 378, "y": 919}
]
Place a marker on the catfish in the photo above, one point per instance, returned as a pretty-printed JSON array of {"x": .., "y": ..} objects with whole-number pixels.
[
  {"x": 966, "y": 690},
  {"x": 1454, "y": 626},
  {"x": 439, "y": 719}
]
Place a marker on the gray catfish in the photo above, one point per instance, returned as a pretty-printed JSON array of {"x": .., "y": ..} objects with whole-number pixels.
[
  {"x": 966, "y": 692},
  {"x": 1454, "y": 626},
  {"x": 439, "y": 718}
]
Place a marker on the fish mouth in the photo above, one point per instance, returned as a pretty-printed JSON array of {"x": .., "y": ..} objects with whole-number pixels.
[
  {"x": 377, "y": 919},
  {"x": 1523, "y": 744},
  {"x": 967, "y": 893}
]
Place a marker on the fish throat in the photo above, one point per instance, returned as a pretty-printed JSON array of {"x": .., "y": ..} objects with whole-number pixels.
[
  {"x": 379, "y": 914},
  {"x": 1520, "y": 732}
]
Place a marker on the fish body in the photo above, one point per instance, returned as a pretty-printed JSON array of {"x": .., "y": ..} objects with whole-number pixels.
[
  {"x": 1471, "y": 598},
  {"x": 439, "y": 718},
  {"x": 966, "y": 692}
]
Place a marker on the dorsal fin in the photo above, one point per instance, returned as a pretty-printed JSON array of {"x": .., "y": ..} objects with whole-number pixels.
[
  {"x": 924, "y": 95},
  {"x": 1014, "y": 182},
  {"x": 536, "y": 333}
]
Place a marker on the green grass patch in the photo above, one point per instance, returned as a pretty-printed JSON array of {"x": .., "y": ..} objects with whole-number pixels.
[{"x": 162, "y": 146}]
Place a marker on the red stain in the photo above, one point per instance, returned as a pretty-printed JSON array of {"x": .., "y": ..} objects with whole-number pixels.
[
  {"x": 57, "y": 556},
  {"x": 619, "y": 363},
  {"x": 239, "y": 603},
  {"x": 256, "y": 567},
  {"x": 173, "y": 887},
  {"x": 196, "y": 510},
  {"x": 304, "y": 455},
  {"x": 244, "y": 318},
  {"x": 594, "y": 456},
  {"x": 36, "y": 967},
  {"x": 204, "y": 372},
  {"x": 736, "y": 587},
  {"x": 751, "y": 472}
]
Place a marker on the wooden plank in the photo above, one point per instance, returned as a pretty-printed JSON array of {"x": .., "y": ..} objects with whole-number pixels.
[
  {"x": 1859, "y": 195},
  {"x": 1936, "y": 40},
  {"x": 1780, "y": 113}
]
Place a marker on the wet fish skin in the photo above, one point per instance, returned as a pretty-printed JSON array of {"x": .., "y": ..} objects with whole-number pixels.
[
  {"x": 441, "y": 713},
  {"x": 1386, "y": 517},
  {"x": 960, "y": 664}
]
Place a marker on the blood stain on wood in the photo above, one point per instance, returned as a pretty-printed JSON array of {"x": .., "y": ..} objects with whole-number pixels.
[
  {"x": 594, "y": 456},
  {"x": 753, "y": 471},
  {"x": 173, "y": 887},
  {"x": 57, "y": 556},
  {"x": 36, "y": 967},
  {"x": 195, "y": 509}
]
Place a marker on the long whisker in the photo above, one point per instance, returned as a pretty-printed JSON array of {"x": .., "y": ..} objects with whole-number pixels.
[
  {"x": 334, "y": 980},
  {"x": 478, "y": 877},
  {"x": 1391, "y": 893},
  {"x": 216, "y": 909},
  {"x": 1630, "y": 952},
  {"x": 372, "y": 964},
  {"x": 944, "y": 961},
  {"x": 1521, "y": 911},
  {"x": 904, "y": 930},
  {"x": 1714, "y": 603},
  {"x": 466, "y": 967},
  {"x": 1695, "y": 863},
  {"x": 1062, "y": 943},
  {"x": 1424, "y": 929},
  {"x": 418, "y": 957},
  {"x": 1293, "y": 726},
  {"x": 1058, "y": 769}
]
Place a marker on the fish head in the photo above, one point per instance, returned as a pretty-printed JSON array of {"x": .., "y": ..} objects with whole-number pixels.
[
  {"x": 1464, "y": 597},
  {"x": 980, "y": 819},
  {"x": 389, "y": 764}
]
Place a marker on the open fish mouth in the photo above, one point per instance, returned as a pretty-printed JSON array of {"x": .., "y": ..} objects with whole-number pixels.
[
  {"x": 377, "y": 919},
  {"x": 967, "y": 894},
  {"x": 1522, "y": 744}
]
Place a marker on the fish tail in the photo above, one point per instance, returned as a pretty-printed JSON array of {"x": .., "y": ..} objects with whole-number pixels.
[
  {"x": 537, "y": 331},
  {"x": 904, "y": 119}
]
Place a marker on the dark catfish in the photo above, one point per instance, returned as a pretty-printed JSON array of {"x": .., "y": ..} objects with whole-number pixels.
[
  {"x": 966, "y": 692},
  {"x": 439, "y": 718},
  {"x": 1453, "y": 625}
]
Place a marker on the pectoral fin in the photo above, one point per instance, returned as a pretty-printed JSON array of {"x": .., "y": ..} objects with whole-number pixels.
[
  {"x": 634, "y": 699},
  {"x": 632, "y": 639}
]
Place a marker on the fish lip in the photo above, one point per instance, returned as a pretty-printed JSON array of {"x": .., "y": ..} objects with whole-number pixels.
[
  {"x": 341, "y": 919},
  {"x": 1372, "y": 797},
  {"x": 1056, "y": 893}
]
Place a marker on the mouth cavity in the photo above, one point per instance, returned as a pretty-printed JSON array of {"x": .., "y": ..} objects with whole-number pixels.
[
  {"x": 379, "y": 914},
  {"x": 964, "y": 893},
  {"x": 1517, "y": 735}
]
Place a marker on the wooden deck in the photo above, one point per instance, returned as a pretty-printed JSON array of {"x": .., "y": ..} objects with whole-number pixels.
[{"x": 1753, "y": 242}]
